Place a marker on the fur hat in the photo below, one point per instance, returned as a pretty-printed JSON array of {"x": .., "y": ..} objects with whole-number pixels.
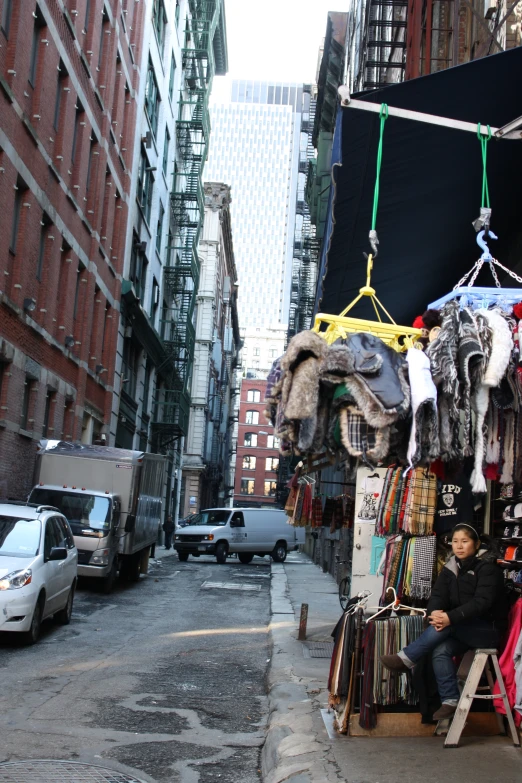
[{"x": 501, "y": 347}]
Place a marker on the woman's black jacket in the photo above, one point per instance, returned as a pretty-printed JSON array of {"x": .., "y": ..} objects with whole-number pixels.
[{"x": 470, "y": 588}]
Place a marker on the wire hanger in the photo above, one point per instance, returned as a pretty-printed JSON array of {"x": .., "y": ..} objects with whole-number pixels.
[
  {"x": 394, "y": 606},
  {"x": 339, "y": 326},
  {"x": 483, "y": 297}
]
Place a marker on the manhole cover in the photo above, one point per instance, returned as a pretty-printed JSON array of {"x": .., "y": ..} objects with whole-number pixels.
[
  {"x": 318, "y": 649},
  {"x": 60, "y": 772},
  {"x": 229, "y": 586}
]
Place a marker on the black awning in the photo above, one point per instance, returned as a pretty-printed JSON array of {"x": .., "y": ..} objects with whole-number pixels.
[{"x": 431, "y": 185}]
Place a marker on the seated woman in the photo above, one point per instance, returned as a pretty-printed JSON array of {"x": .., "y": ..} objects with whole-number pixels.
[{"x": 466, "y": 610}]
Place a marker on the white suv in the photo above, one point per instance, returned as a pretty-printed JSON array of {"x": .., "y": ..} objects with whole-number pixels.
[{"x": 38, "y": 566}]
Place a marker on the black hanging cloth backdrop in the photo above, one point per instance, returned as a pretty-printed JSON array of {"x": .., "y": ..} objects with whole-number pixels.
[{"x": 431, "y": 187}]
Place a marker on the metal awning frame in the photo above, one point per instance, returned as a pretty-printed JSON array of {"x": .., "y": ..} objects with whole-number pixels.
[{"x": 513, "y": 129}]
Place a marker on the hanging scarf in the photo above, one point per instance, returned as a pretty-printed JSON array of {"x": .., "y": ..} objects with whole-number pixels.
[{"x": 423, "y": 562}]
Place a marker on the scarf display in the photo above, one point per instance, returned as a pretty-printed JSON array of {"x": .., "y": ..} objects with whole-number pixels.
[
  {"x": 408, "y": 502},
  {"x": 409, "y": 567}
]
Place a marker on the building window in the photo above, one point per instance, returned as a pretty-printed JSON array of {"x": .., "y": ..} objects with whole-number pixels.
[
  {"x": 270, "y": 489},
  {"x": 272, "y": 442},
  {"x": 131, "y": 355},
  {"x": 138, "y": 267},
  {"x": 152, "y": 99},
  {"x": 62, "y": 74},
  {"x": 145, "y": 186},
  {"x": 247, "y": 486},
  {"x": 79, "y": 275},
  {"x": 252, "y": 417},
  {"x": 273, "y": 353},
  {"x": 21, "y": 188},
  {"x": 76, "y": 129},
  {"x": 272, "y": 463},
  {"x": 250, "y": 439},
  {"x": 44, "y": 225},
  {"x": 172, "y": 73},
  {"x": 39, "y": 23},
  {"x": 87, "y": 16},
  {"x": 253, "y": 395},
  {"x": 94, "y": 142},
  {"x": 49, "y": 400},
  {"x": 159, "y": 19},
  {"x": 159, "y": 228},
  {"x": 166, "y": 146},
  {"x": 257, "y": 352},
  {"x": 7, "y": 12},
  {"x": 29, "y": 386},
  {"x": 154, "y": 301},
  {"x": 249, "y": 463}
]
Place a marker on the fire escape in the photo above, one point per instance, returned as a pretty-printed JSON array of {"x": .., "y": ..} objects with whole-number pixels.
[
  {"x": 306, "y": 245},
  {"x": 181, "y": 275},
  {"x": 385, "y": 43}
]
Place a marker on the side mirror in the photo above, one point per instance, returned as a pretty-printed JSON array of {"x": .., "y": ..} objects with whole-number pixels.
[
  {"x": 58, "y": 553},
  {"x": 130, "y": 523}
]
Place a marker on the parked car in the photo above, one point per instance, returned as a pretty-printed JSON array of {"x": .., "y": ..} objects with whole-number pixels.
[
  {"x": 38, "y": 567},
  {"x": 242, "y": 531}
]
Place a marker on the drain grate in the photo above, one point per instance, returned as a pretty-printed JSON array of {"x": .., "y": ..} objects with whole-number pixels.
[
  {"x": 318, "y": 649},
  {"x": 49, "y": 771},
  {"x": 229, "y": 586}
]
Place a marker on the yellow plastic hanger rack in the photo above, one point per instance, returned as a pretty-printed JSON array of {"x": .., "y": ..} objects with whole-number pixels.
[{"x": 339, "y": 327}]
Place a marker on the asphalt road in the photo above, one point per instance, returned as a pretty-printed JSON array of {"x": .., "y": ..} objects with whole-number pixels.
[{"x": 164, "y": 679}]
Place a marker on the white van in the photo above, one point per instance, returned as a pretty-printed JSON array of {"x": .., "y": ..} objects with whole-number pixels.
[{"x": 245, "y": 531}]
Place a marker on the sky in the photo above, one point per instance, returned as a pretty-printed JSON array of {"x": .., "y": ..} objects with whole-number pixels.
[{"x": 274, "y": 40}]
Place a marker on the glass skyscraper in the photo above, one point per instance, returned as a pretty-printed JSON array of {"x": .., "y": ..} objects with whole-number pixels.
[{"x": 254, "y": 148}]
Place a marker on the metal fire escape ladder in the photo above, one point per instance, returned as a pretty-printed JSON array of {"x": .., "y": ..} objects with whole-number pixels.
[{"x": 384, "y": 42}]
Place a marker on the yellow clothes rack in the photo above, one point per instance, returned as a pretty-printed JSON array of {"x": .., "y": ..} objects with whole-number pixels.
[{"x": 339, "y": 327}]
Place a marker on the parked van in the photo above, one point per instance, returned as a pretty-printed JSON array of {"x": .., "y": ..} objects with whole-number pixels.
[{"x": 242, "y": 531}]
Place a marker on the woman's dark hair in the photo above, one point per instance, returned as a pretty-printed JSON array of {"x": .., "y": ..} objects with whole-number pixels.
[{"x": 466, "y": 529}]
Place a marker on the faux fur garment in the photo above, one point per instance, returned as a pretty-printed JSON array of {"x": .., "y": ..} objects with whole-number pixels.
[
  {"x": 501, "y": 347},
  {"x": 378, "y": 438}
]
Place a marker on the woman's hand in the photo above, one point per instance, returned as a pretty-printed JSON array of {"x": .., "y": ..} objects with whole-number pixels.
[{"x": 439, "y": 620}]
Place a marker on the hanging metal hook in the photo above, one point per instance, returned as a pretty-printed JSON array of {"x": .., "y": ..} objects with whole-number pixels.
[{"x": 481, "y": 242}]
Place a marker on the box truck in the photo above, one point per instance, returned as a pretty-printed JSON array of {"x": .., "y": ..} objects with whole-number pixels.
[{"x": 112, "y": 499}]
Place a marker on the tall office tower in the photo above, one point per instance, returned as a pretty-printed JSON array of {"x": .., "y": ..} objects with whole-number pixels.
[{"x": 255, "y": 148}]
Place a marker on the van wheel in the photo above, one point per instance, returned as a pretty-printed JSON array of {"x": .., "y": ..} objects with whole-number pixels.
[
  {"x": 245, "y": 558},
  {"x": 33, "y": 634},
  {"x": 63, "y": 617},
  {"x": 131, "y": 567},
  {"x": 221, "y": 552},
  {"x": 182, "y": 557},
  {"x": 279, "y": 552}
]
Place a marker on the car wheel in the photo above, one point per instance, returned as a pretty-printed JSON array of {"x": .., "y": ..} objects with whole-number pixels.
[
  {"x": 279, "y": 552},
  {"x": 64, "y": 615},
  {"x": 33, "y": 634},
  {"x": 108, "y": 581},
  {"x": 245, "y": 557},
  {"x": 221, "y": 552},
  {"x": 183, "y": 557}
]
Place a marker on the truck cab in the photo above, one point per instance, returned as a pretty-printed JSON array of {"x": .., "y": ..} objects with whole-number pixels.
[{"x": 94, "y": 518}]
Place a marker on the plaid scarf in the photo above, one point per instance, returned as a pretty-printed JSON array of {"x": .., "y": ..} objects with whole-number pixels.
[
  {"x": 423, "y": 562},
  {"x": 419, "y": 515},
  {"x": 317, "y": 512}
]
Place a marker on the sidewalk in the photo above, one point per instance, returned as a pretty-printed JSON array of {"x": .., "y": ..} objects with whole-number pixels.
[{"x": 298, "y": 748}]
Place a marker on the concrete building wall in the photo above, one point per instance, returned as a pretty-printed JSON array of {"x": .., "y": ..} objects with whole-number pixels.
[{"x": 68, "y": 87}]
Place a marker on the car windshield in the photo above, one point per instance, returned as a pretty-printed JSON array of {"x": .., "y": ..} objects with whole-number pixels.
[
  {"x": 215, "y": 518},
  {"x": 19, "y": 537},
  {"x": 83, "y": 511}
]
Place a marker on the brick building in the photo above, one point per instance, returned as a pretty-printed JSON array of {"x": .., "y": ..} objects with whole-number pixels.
[
  {"x": 68, "y": 82},
  {"x": 257, "y": 458}
]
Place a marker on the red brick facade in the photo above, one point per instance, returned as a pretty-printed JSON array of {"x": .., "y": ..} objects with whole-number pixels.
[
  {"x": 68, "y": 112},
  {"x": 253, "y": 482}
]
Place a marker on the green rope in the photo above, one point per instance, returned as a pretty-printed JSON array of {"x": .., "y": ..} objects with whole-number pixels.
[
  {"x": 383, "y": 114},
  {"x": 484, "y": 144}
]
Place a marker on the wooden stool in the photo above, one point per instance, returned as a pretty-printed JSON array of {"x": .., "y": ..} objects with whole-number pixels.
[{"x": 481, "y": 661}]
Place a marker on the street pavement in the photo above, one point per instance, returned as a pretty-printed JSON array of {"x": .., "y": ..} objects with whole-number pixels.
[{"x": 164, "y": 679}]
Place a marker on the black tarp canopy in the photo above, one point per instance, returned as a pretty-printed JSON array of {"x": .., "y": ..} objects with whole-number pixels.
[{"x": 431, "y": 183}]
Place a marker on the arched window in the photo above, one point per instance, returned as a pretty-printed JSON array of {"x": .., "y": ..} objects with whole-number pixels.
[
  {"x": 253, "y": 395},
  {"x": 252, "y": 417},
  {"x": 249, "y": 462}
]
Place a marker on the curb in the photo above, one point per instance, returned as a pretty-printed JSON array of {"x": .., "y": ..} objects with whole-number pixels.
[{"x": 297, "y": 748}]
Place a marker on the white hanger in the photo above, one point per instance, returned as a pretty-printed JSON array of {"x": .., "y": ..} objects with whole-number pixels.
[
  {"x": 363, "y": 600},
  {"x": 394, "y": 606}
]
